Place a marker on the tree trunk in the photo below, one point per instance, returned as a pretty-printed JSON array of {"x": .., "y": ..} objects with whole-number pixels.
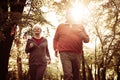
[
  {"x": 103, "y": 73},
  {"x": 83, "y": 68},
  {"x": 19, "y": 64},
  {"x": 5, "y": 45},
  {"x": 118, "y": 77},
  {"x": 117, "y": 69},
  {"x": 5, "y": 28},
  {"x": 90, "y": 75},
  {"x": 98, "y": 74}
]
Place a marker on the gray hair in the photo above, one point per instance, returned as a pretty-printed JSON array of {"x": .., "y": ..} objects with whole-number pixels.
[{"x": 36, "y": 26}]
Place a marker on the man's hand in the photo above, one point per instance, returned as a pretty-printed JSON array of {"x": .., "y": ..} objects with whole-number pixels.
[{"x": 48, "y": 61}]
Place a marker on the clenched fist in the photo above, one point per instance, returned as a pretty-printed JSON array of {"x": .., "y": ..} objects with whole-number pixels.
[{"x": 31, "y": 45}]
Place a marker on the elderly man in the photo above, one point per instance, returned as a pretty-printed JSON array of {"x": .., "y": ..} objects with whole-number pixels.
[{"x": 68, "y": 41}]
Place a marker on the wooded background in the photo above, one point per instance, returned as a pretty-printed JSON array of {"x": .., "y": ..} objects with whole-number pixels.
[{"x": 101, "y": 59}]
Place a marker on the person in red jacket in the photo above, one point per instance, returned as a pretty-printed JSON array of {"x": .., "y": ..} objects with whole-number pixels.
[
  {"x": 39, "y": 56},
  {"x": 68, "y": 41}
]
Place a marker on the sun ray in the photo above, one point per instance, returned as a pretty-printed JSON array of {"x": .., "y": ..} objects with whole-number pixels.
[{"x": 79, "y": 12}]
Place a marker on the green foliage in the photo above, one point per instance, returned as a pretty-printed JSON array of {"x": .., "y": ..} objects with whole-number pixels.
[
  {"x": 53, "y": 72},
  {"x": 105, "y": 23}
]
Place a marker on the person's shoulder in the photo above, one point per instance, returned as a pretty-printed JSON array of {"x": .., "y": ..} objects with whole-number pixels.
[
  {"x": 63, "y": 24},
  {"x": 80, "y": 25},
  {"x": 44, "y": 38},
  {"x": 30, "y": 39}
]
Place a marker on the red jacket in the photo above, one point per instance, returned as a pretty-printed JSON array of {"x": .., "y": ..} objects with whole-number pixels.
[{"x": 70, "y": 38}]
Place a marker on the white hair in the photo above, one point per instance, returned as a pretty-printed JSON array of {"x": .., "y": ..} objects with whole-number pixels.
[{"x": 36, "y": 26}]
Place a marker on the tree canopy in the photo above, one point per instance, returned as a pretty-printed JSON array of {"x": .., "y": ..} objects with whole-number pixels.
[{"x": 101, "y": 20}]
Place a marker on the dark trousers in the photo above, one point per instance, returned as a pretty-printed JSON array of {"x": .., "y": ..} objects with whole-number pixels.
[
  {"x": 37, "y": 72},
  {"x": 71, "y": 65}
]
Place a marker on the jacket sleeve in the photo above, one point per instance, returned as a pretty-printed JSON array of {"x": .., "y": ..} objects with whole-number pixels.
[
  {"x": 27, "y": 48},
  {"x": 47, "y": 52},
  {"x": 85, "y": 36},
  {"x": 56, "y": 38}
]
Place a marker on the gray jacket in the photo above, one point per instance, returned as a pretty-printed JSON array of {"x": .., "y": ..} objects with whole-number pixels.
[{"x": 39, "y": 53}]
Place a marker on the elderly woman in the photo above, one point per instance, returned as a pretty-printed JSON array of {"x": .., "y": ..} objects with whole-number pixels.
[{"x": 37, "y": 47}]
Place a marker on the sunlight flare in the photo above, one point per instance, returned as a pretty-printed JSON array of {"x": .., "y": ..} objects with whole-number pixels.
[{"x": 79, "y": 12}]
